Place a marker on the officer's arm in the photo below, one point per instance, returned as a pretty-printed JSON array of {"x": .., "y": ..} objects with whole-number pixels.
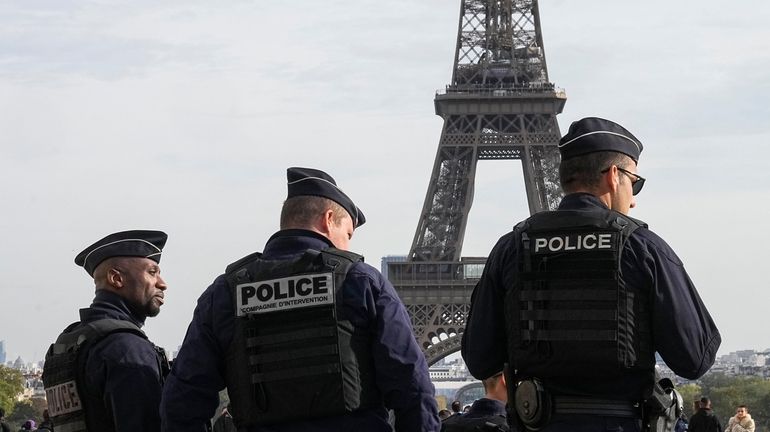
[
  {"x": 191, "y": 392},
  {"x": 484, "y": 341},
  {"x": 402, "y": 372},
  {"x": 684, "y": 332},
  {"x": 132, "y": 382}
]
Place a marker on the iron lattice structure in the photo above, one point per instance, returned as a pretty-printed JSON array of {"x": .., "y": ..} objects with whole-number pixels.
[{"x": 499, "y": 105}]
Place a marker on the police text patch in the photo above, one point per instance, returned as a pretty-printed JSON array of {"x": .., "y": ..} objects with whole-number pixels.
[
  {"x": 63, "y": 399},
  {"x": 285, "y": 293},
  {"x": 574, "y": 242}
]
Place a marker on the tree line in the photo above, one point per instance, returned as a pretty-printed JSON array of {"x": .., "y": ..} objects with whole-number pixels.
[{"x": 727, "y": 392}]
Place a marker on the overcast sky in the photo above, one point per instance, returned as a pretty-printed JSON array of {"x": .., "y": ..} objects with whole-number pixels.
[{"x": 184, "y": 115}]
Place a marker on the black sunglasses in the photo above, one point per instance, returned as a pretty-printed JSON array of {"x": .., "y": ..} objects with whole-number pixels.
[{"x": 637, "y": 181}]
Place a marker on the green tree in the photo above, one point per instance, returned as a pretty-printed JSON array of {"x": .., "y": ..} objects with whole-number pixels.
[
  {"x": 22, "y": 411},
  {"x": 727, "y": 392},
  {"x": 689, "y": 392},
  {"x": 28, "y": 409},
  {"x": 11, "y": 385},
  {"x": 761, "y": 413}
]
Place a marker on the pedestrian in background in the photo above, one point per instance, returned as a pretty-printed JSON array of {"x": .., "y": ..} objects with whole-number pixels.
[
  {"x": 704, "y": 420},
  {"x": 741, "y": 421},
  {"x": 487, "y": 413}
]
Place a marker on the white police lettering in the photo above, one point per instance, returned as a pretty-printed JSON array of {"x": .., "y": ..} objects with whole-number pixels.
[
  {"x": 63, "y": 398},
  {"x": 573, "y": 242},
  {"x": 285, "y": 293}
]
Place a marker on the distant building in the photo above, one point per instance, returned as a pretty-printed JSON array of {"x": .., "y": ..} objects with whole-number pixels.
[
  {"x": 2, "y": 352},
  {"x": 744, "y": 362},
  {"x": 453, "y": 370},
  {"x": 756, "y": 360},
  {"x": 33, "y": 387}
]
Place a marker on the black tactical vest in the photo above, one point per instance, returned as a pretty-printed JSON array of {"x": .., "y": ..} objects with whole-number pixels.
[
  {"x": 292, "y": 358},
  {"x": 68, "y": 399},
  {"x": 569, "y": 312}
]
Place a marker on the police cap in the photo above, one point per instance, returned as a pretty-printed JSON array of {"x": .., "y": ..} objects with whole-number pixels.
[
  {"x": 593, "y": 134},
  {"x": 136, "y": 243},
  {"x": 309, "y": 181}
]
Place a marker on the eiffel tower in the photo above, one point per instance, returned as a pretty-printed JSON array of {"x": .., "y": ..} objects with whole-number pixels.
[{"x": 499, "y": 105}]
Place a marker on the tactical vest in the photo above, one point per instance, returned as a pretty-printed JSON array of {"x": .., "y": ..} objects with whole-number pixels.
[
  {"x": 64, "y": 371},
  {"x": 569, "y": 312},
  {"x": 292, "y": 358}
]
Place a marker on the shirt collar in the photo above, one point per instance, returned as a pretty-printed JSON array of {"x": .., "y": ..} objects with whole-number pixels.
[
  {"x": 290, "y": 242},
  {"x": 580, "y": 200},
  {"x": 107, "y": 304}
]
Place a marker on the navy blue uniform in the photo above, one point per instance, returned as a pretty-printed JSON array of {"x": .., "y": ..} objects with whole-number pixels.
[
  {"x": 483, "y": 411},
  {"x": 682, "y": 330},
  {"x": 191, "y": 393},
  {"x": 124, "y": 375}
]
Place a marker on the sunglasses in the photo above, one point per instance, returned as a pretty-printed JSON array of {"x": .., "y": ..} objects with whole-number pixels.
[{"x": 637, "y": 181}]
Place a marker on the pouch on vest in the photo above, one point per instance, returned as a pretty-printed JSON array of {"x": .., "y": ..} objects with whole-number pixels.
[
  {"x": 532, "y": 404},
  {"x": 569, "y": 313},
  {"x": 289, "y": 348}
]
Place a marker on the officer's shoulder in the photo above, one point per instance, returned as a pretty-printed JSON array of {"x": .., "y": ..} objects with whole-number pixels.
[
  {"x": 364, "y": 269},
  {"x": 343, "y": 254},
  {"x": 654, "y": 244},
  {"x": 126, "y": 348},
  {"x": 243, "y": 261},
  {"x": 359, "y": 268},
  {"x": 506, "y": 244}
]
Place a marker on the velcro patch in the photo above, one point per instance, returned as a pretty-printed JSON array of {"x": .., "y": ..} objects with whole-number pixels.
[
  {"x": 63, "y": 399},
  {"x": 285, "y": 293},
  {"x": 574, "y": 242}
]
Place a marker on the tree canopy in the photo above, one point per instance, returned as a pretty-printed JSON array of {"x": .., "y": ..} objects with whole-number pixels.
[
  {"x": 727, "y": 392},
  {"x": 11, "y": 385}
]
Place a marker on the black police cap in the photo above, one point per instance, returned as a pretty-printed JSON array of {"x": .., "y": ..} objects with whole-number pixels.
[
  {"x": 593, "y": 134},
  {"x": 309, "y": 181},
  {"x": 136, "y": 243}
]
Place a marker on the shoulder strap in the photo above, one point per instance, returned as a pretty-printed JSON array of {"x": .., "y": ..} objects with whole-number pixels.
[
  {"x": 92, "y": 332},
  {"x": 626, "y": 224},
  {"x": 240, "y": 263},
  {"x": 238, "y": 272},
  {"x": 350, "y": 256}
]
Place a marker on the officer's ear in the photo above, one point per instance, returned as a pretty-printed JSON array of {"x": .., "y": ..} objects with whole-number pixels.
[
  {"x": 327, "y": 221},
  {"x": 115, "y": 277},
  {"x": 611, "y": 179}
]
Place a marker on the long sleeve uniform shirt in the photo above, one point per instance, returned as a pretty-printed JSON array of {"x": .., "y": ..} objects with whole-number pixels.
[
  {"x": 191, "y": 393},
  {"x": 122, "y": 370},
  {"x": 683, "y": 332}
]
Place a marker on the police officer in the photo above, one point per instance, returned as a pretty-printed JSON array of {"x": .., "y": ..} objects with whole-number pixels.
[
  {"x": 305, "y": 336},
  {"x": 575, "y": 302},
  {"x": 486, "y": 414},
  {"x": 102, "y": 373}
]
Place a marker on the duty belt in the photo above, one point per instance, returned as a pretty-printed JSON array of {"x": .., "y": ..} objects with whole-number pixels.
[{"x": 596, "y": 407}]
